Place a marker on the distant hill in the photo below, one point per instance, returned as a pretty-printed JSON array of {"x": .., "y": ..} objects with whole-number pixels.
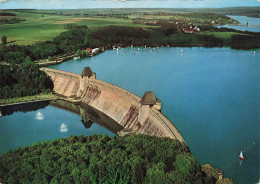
[{"x": 246, "y": 11}]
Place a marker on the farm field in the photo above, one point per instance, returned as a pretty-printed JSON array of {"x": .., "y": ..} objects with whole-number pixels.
[{"x": 42, "y": 25}]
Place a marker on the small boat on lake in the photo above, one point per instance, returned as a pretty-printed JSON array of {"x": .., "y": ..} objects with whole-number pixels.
[
  {"x": 241, "y": 156},
  {"x": 75, "y": 58},
  {"x": 253, "y": 52}
]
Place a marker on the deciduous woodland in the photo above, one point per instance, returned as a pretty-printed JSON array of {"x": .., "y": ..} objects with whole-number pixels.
[
  {"x": 103, "y": 159},
  {"x": 107, "y": 36},
  {"x": 23, "y": 80}
]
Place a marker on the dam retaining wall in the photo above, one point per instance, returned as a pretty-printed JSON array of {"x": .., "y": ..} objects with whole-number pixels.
[{"x": 122, "y": 106}]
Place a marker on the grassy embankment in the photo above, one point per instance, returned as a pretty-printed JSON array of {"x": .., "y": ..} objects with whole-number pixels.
[{"x": 26, "y": 99}]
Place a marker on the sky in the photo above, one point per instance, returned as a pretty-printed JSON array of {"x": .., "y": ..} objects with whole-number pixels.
[{"x": 82, "y": 4}]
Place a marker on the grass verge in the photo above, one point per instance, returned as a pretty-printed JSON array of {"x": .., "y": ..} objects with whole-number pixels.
[{"x": 25, "y": 99}]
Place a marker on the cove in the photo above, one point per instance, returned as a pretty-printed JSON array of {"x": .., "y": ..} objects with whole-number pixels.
[
  {"x": 23, "y": 125},
  {"x": 253, "y": 23},
  {"x": 210, "y": 94}
]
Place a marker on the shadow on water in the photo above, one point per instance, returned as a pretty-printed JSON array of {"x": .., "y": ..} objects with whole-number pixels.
[
  {"x": 88, "y": 114},
  {"x": 9, "y": 110}
]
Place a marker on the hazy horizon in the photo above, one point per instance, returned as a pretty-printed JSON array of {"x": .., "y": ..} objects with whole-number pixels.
[{"x": 91, "y": 4}]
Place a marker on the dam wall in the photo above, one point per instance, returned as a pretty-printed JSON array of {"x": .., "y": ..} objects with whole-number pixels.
[{"x": 128, "y": 110}]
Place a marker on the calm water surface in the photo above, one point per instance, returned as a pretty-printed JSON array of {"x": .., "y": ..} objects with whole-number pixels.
[
  {"x": 212, "y": 95},
  {"x": 22, "y": 129},
  {"x": 253, "y": 23}
]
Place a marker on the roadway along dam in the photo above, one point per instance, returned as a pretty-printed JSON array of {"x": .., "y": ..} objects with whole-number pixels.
[{"x": 136, "y": 115}]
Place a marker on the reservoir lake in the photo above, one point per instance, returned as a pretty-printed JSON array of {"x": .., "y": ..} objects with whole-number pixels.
[
  {"x": 211, "y": 95},
  {"x": 253, "y": 23}
]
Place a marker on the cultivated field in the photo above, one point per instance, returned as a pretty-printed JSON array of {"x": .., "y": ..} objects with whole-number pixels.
[{"x": 42, "y": 25}]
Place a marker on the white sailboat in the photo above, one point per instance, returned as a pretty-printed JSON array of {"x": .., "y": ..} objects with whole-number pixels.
[{"x": 241, "y": 156}]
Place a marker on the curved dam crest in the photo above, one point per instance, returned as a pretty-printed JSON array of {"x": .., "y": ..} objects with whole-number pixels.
[{"x": 135, "y": 114}]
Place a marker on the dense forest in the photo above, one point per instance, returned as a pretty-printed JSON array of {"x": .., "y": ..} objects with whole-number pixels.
[
  {"x": 104, "y": 159},
  {"x": 23, "y": 80},
  {"x": 82, "y": 37}
]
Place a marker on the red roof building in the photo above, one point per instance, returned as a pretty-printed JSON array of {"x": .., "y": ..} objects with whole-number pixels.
[
  {"x": 89, "y": 49},
  {"x": 189, "y": 30}
]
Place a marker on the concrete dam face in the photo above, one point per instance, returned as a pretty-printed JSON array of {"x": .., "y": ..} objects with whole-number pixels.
[
  {"x": 136, "y": 115},
  {"x": 88, "y": 114}
]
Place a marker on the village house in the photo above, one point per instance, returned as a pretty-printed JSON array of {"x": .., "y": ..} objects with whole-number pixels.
[
  {"x": 89, "y": 50},
  {"x": 189, "y": 30},
  {"x": 95, "y": 51}
]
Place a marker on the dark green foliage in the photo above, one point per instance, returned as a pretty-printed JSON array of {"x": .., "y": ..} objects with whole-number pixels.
[
  {"x": 167, "y": 34},
  {"x": 27, "y": 107},
  {"x": 246, "y": 41},
  {"x": 211, "y": 175},
  {"x": 101, "y": 159},
  {"x": 71, "y": 40},
  {"x": 44, "y": 50},
  {"x": 71, "y": 26},
  {"x": 210, "y": 40},
  {"x": 15, "y": 53},
  {"x": 225, "y": 181},
  {"x": 25, "y": 80},
  {"x": 120, "y": 34},
  {"x": 14, "y": 57},
  {"x": 168, "y": 29},
  {"x": 7, "y": 14},
  {"x": 4, "y": 40},
  {"x": 11, "y": 21}
]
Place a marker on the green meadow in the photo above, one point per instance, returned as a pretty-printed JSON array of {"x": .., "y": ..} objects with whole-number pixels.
[
  {"x": 41, "y": 27},
  {"x": 223, "y": 35}
]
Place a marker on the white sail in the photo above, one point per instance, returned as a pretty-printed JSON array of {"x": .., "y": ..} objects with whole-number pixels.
[{"x": 241, "y": 155}]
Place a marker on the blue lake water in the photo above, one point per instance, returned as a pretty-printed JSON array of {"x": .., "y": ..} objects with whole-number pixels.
[
  {"x": 253, "y": 23},
  {"x": 22, "y": 129},
  {"x": 212, "y": 95}
]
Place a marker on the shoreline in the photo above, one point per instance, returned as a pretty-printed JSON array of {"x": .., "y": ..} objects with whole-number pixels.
[
  {"x": 109, "y": 47},
  {"x": 28, "y": 99},
  {"x": 50, "y": 63}
]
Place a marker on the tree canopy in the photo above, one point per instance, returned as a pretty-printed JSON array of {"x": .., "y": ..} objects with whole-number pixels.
[
  {"x": 23, "y": 80},
  {"x": 102, "y": 159}
]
